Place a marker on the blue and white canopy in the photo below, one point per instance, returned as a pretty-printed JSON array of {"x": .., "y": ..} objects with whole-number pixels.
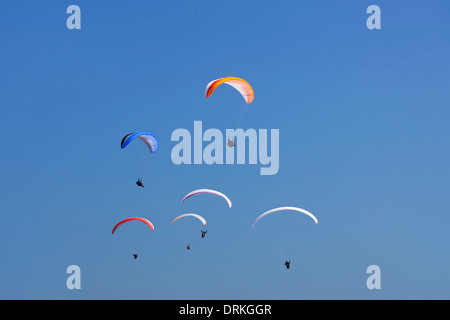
[{"x": 148, "y": 138}]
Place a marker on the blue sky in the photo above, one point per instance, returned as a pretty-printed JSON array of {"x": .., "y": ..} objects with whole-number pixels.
[{"x": 364, "y": 144}]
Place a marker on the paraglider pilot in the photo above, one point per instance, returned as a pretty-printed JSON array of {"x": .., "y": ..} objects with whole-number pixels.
[
  {"x": 140, "y": 183},
  {"x": 231, "y": 143},
  {"x": 204, "y": 233},
  {"x": 287, "y": 264},
  {"x": 188, "y": 246},
  {"x": 135, "y": 256}
]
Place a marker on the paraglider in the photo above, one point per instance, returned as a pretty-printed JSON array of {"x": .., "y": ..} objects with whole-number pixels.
[
  {"x": 199, "y": 217},
  {"x": 287, "y": 264},
  {"x": 204, "y": 233},
  {"x": 231, "y": 143},
  {"x": 148, "y": 139},
  {"x": 145, "y": 221},
  {"x": 244, "y": 88},
  {"x": 207, "y": 191},
  {"x": 285, "y": 209},
  {"x": 140, "y": 183},
  {"x": 237, "y": 111}
]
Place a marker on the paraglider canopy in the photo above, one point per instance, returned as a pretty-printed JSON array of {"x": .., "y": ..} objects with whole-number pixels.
[
  {"x": 244, "y": 88},
  {"x": 147, "y": 222},
  {"x": 208, "y": 191},
  {"x": 148, "y": 138},
  {"x": 199, "y": 217},
  {"x": 285, "y": 209}
]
